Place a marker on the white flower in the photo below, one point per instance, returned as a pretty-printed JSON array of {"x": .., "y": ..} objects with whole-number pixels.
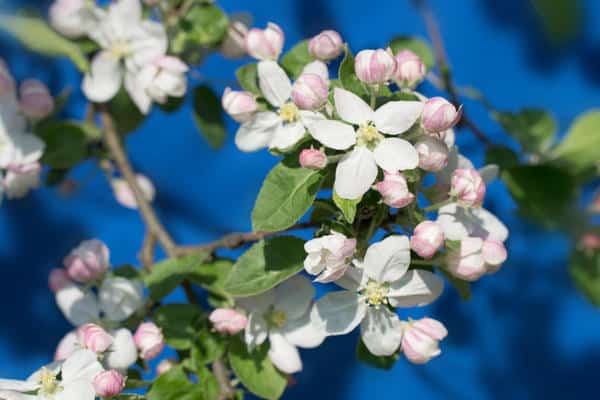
[
  {"x": 357, "y": 170},
  {"x": 459, "y": 222},
  {"x": 122, "y": 353},
  {"x": 383, "y": 279},
  {"x": 128, "y": 43},
  {"x": 74, "y": 18},
  {"x": 280, "y": 129},
  {"x": 76, "y": 376},
  {"x": 283, "y": 315},
  {"x": 328, "y": 256}
]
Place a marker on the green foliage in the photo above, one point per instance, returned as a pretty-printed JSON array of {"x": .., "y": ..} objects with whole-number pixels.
[
  {"x": 323, "y": 209},
  {"x": 66, "y": 144},
  {"x": 36, "y": 35},
  {"x": 206, "y": 348},
  {"x": 126, "y": 116},
  {"x": 212, "y": 277},
  {"x": 382, "y": 362},
  {"x": 561, "y": 18},
  {"x": 534, "y": 129},
  {"x": 585, "y": 272},
  {"x": 209, "y": 116},
  {"x": 178, "y": 323},
  {"x": 175, "y": 385},
  {"x": 255, "y": 370},
  {"x": 165, "y": 276},
  {"x": 347, "y": 76},
  {"x": 502, "y": 156},
  {"x": 417, "y": 46},
  {"x": 461, "y": 286},
  {"x": 127, "y": 271},
  {"x": 294, "y": 60},
  {"x": 247, "y": 77},
  {"x": 266, "y": 264},
  {"x": 203, "y": 25},
  {"x": 56, "y": 176},
  {"x": 347, "y": 206}
]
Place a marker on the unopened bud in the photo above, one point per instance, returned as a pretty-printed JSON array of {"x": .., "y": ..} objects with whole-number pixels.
[
  {"x": 109, "y": 383},
  {"x": 410, "y": 70},
  {"x": 149, "y": 340},
  {"x": 228, "y": 320},
  {"x": 427, "y": 238},
  {"x": 35, "y": 99},
  {"x": 468, "y": 186},
  {"x": 310, "y": 91},
  {"x": 240, "y": 105},
  {"x": 375, "y": 67},
  {"x": 265, "y": 44},
  {"x": 439, "y": 115},
  {"x": 394, "y": 190},
  {"x": 326, "y": 46},
  {"x": 433, "y": 153},
  {"x": 88, "y": 261}
]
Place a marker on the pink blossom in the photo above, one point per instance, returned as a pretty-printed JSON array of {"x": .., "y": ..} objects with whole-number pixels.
[
  {"x": 310, "y": 91},
  {"x": 433, "y": 153},
  {"x": 88, "y": 261},
  {"x": 410, "y": 70},
  {"x": 240, "y": 105},
  {"x": 149, "y": 340},
  {"x": 265, "y": 44},
  {"x": 58, "y": 279},
  {"x": 394, "y": 190},
  {"x": 439, "y": 115},
  {"x": 375, "y": 66},
  {"x": 35, "y": 99},
  {"x": 94, "y": 338},
  {"x": 313, "y": 159},
  {"x": 468, "y": 186},
  {"x": 228, "y": 320},
  {"x": 427, "y": 238},
  {"x": 326, "y": 46},
  {"x": 420, "y": 342},
  {"x": 109, "y": 383}
]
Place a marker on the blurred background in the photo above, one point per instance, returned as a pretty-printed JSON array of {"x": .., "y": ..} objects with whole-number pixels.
[{"x": 526, "y": 333}]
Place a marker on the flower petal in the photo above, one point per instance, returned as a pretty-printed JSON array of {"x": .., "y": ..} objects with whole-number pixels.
[
  {"x": 416, "y": 288},
  {"x": 104, "y": 79},
  {"x": 355, "y": 173},
  {"x": 302, "y": 332},
  {"x": 397, "y": 117},
  {"x": 333, "y": 134},
  {"x": 284, "y": 355},
  {"x": 338, "y": 313},
  {"x": 256, "y": 330},
  {"x": 274, "y": 83},
  {"x": 381, "y": 331},
  {"x": 81, "y": 389},
  {"x": 394, "y": 154},
  {"x": 83, "y": 364},
  {"x": 294, "y": 296},
  {"x": 489, "y": 172},
  {"x": 10, "y": 395},
  {"x": 287, "y": 135},
  {"x": 388, "y": 260},
  {"x": 258, "y": 132},
  {"x": 17, "y": 385},
  {"x": 120, "y": 297},
  {"x": 351, "y": 279},
  {"x": 351, "y": 108},
  {"x": 123, "y": 352},
  {"x": 458, "y": 223},
  {"x": 310, "y": 117},
  {"x": 77, "y": 305},
  {"x": 137, "y": 92}
]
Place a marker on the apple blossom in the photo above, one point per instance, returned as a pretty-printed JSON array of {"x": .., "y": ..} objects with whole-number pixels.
[
  {"x": 439, "y": 115},
  {"x": 282, "y": 315},
  {"x": 329, "y": 256},
  {"x": 149, "y": 340},
  {"x": 265, "y": 44},
  {"x": 310, "y": 91},
  {"x": 468, "y": 187},
  {"x": 459, "y": 222},
  {"x": 20, "y": 179},
  {"x": 382, "y": 279},
  {"x": 58, "y": 279},
  {"x": 74, "y": 18},
  {"x": 317, "y": 67},
  {"x": 312, "y": 158},
  {"x": 124, "y": 194},
  {"x": 427, "y": 239},
  {"x": 7, "y": 82},
  {"x": 165, "y": 365},
  {"x": 35, "y": 99},
  {"x": 375, "y": 67},
  {"x": 88, "y": 261},
  {"x": 234, "y": 44},
  {"x": 394, "y": 190},
  {"x": 357, "y": 170},
  {"x": 68, "y": 345},
  {"x": 420, "y": 339},
  {"x": 433, "y": 153},
  {"x": 228, "y": 320},
  {"x": 123, "y": 351},
  {"x": 476, "y": 257},
  {"x": 94, "y": 338},
  {"x": 326, "y": 46},
  {"x": 410, "y": 70},
  {"x": 240, "y": 105},
  {"x": 109, "y": 383}
]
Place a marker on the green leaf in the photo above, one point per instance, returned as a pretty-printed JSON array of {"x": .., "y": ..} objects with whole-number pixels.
[
  {"x": 247, "y": 77},
  {"x": 462, "y": 287},
  {"x": 205, "y": 25},
  {"x": 382, "y": 362},
  {"x": 136, "y": 384},
  {"x": 178, "y": 323},
  {"x": 209, "y": 116},
  {"x": 128, "y": 271},
  {"x": 585, "y": 272},
  {"x": 323, "y": 209},
  {"x": 580, "y": 149},
  {"x": 266, "y": 264},
  {"x": 502, "y": 156},
  {"x": 296, "y": 59},
  {"x": 212, "y": 277},
  {"x": 173, "y": 104},
  {"x": 174, "y": 385},
  {"x": 66, "y": 144},
  {"x": 417, "y": 46},
  {"x": 125, "y": 114},
  {"x": 561, "y": 19},
  {"x": 36, "y": 35},
  {"x": 255, "y": 370},
  {"x": 347, "y": 206},
  {"x": 286, "y": 195},
  {"x": 206, "y": 348},
  {"x": 534, "y": 129},
  {"x": 56, "y": 176},
  {"x": 348, "y": 77},
  {"x": 165, "y": 276}
]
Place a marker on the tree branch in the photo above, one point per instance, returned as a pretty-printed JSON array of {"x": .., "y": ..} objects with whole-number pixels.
[{"x": 227, "y": 391}]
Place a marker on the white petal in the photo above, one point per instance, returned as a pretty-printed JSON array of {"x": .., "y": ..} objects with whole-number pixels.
[
  {"x": 120, "y": 298},
  {"x": 284, "y": 355},
  {"x": 274, "y": 83},
  {"x": 77, "y": 305},
  {"x": 29, "y": 148},
  {"x": 317, "y": 67},
  {"x": 388, "y": 260},
  {"x": 302, "y": 332},
  {"x": 489, "y": 172},
  {"x": 16, "y": 385},
  {"x": 259, "y": 304},
  {"x": 123, "y": 352},
  {"x": 351, "y": 279},
  {"x": 128, "y": 11},
  {"x": 78, "y": 390},
  {"x": 355, "y": 173},
  {"x": 397, "y": 117},
  {"x": 10, "y": 395},
  {"x": 416, "y": 288},
  {"x": 83, "y": 364},
  {"x": 310, "y": 117},
  {"x": 381, "y": 331},
  {"x": 394, "y": 154},
  {"x": 338, "y": 313},
  {"x": 287, "y": 135},
  {"x": 459, "y": 223},
  {"x": 148, "y": 42},
  {"x": 333, "y": 134},
  {"x": 256, "y": 330},
  {"x": 351, "y": 108},
  {"x": 104, "y": 79},
  {"x": 137, "y": 92},
  {"x": 294, "y": 296},
  {"x": 258, "y": 132}
]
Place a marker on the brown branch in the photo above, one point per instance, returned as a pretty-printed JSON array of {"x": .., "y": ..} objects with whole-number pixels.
[
  {"x": 227, "y": 391},
  {"x": 146, "y": 254}
]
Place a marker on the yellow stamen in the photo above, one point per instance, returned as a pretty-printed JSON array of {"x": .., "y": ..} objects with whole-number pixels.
[
  {"x": 368, "y": 135},
  {"x": 376, "y": 293},
  {"x": 288, "y": 112}
]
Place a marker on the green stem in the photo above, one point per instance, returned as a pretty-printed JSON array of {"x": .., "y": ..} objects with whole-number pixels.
[{"x": 373, "y": 90}]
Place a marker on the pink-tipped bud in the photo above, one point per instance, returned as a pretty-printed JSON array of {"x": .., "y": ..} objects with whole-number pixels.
[
  {"x": 494, "y": 254},
  {"x": 124, "y": 195},
  {"x": 109, "y": 383},
  {"x": 476, "y": 257},
  {"x": 410, "y": 70},
  {"x": 88, "y": 261},
  {"x": 439, "y": 115},
  {"x": 165, "y": 365},
  {"x": 265, "y": 44},
  {"x": 94, "y": 338},
  {"x": 228, "y": 321},
  {"x": 420, "y": 341},
  {"x": 589, "y": 242},
  {"x": 7, "y": 82},
  {"x": 317, "y": 67},
  {"x": 58, "y": 279},
  {"x": 326, "y": 46},
  {"x": 394, "y": 190},
  {"x": 427, "y": 238},
  {"x": 468, "y": 186},
  {"x": 234, "y": 44},
  {"x": 313, "y": 159},
  {"x": 35, "y": 99},
  {"x": 375, "y": 67},
  {"x": 310, "y": 91},
  {"x": 433, "y": 153},
  {"x": 239, "y": 105},
  {"x": 149, "y": 340}
]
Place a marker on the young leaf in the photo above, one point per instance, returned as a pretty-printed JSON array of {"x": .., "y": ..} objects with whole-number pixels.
[
  {"x": 348, "y": 207},
  {"x": 286, "y": 195},
  {"x": 502, "y": 156},
  {"x": 36, "y": 35},
  {"x": 534, "y": 129},
  {"x": 174, "y": 385},
  {"x": 417, "y": 46},
  {"x": 266, "y": 264},
  {"x": 255, "y": 370},
  {"x": 206, "y": 348},
  {"x": 348, "y": 77},
  {"x": 165, "y": 276},
  {"x": 205, "y": 25},
  {"x": 66, "y": 144},
  {"x": 247, "y": 77},
  {"x": 212, "y": 277},
  {"x": 178, "y": 323},
  {"x": 209, "y": 116},
  {"x": 294, "y": 60},
  {"x": 125, "y": 113},
  {"x": 382, "y": 362}
]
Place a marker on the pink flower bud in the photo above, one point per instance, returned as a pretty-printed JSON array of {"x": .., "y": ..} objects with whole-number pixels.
[
  {"x": 375, "y": 66},
  {"x": 36, "y": 101},
  {"x": 109, "y": 383},
  {"x": 165, "y": 365},
  {"x": 228, "y": 320},
  {"x": 313, "y": 159},
  {"x": 317, "y": 67},
  {"x": 234, "y": 44},
  {"x": 326, "y": 46},
  {"x": 420, "y": 342},
  {"x": 149, "y": 340},
  {"x": 476, "y": 257},
  {"x": 240, "y": 105},
  {"x": 7, "y": 82},
  {"x": 410, "y": 70},
  {"x": 439, "y": 115},
  {"x": 589, "y": 242},
  {"x": 468, "y": 186},
  {"x": 433, "y": 153},
  {"x": 310, "y": 91},
  {"x": 427, "y": 238},
  {"x": 94, "y": 338},
  {"x": 494, "y": 254},
  {"x": 58, "y": 279},
  {"x": 265, "y": 44},
  {"x": 394, "y": 190},
  {"x": 88, "y": 261},
  {"x": 124, "y": 194}
]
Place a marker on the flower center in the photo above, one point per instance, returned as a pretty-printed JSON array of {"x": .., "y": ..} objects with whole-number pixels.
[
  {"x": 288, "y": 112},
  {"x": 375, "y": 293},
  {"x": 48, "y": 382},
  {"x": 368, "y": 135},
  {"x": 120, "y": 49},
  {"x": 277, "y": 318}
]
